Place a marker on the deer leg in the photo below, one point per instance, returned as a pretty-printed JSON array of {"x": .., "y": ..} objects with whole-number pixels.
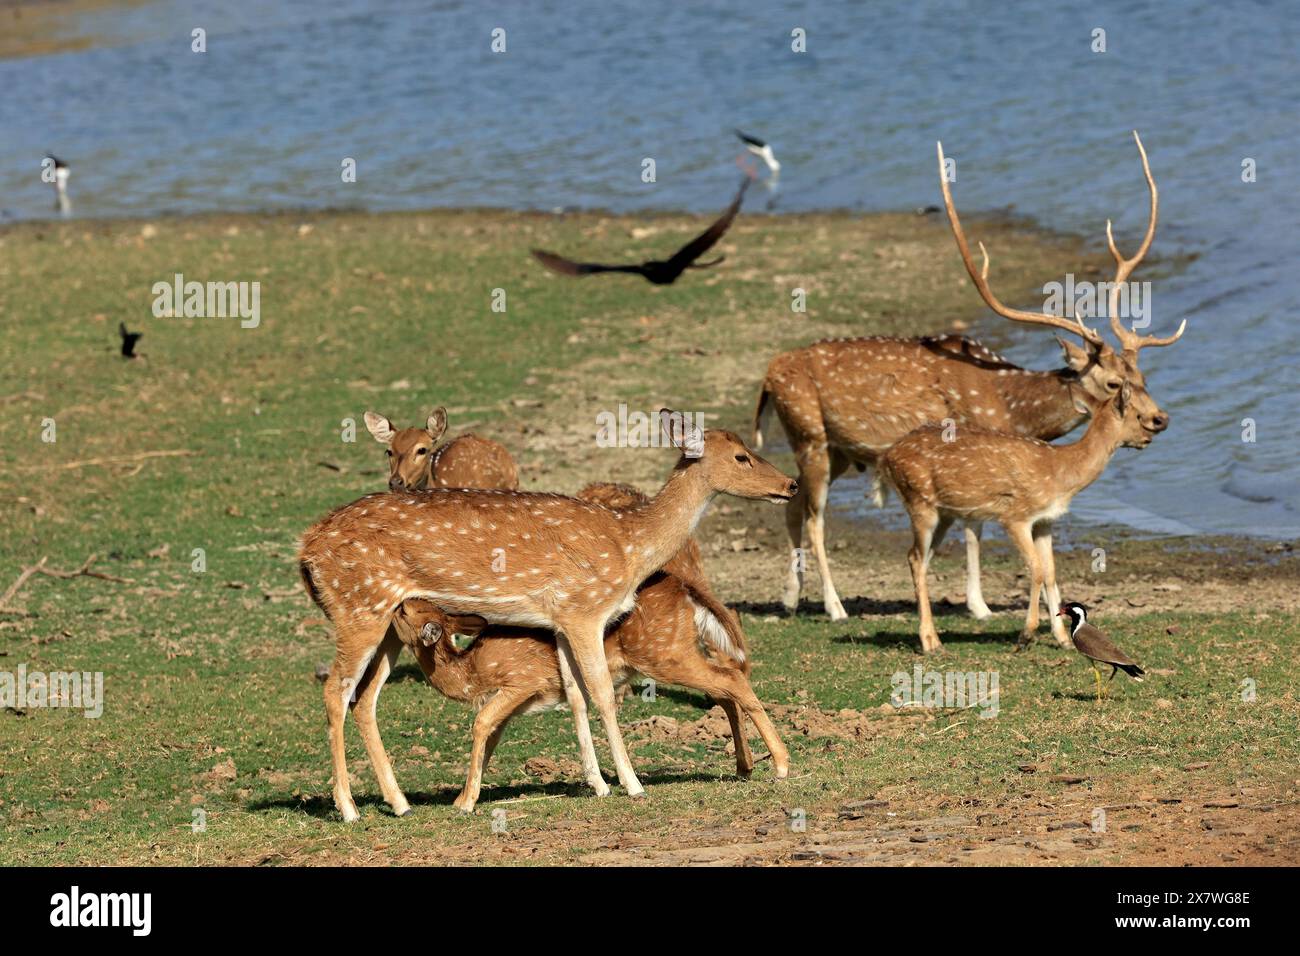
[
  {"x": 363, "y": 711},
  {"x": 795, "y": 511},
  {"x": 744, "y": 756},
  {"x": 974, "y": 592},
  {"x": 1023, "y": 539},
  {"x": 1051, "y": 593},
  {"x": 577, "y": 701},
  {"x": 488, "y": 724},
  {"x": 726, "y": 684},
  {"x": 354, "y": 648},
  {"x": 815, "y": 465},
  {"x": 585, "y": 640},
  {"x": 918, "y": 559}
]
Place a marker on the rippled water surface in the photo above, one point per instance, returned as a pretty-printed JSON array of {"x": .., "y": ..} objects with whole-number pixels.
[{"x": 1037, "y": 121}]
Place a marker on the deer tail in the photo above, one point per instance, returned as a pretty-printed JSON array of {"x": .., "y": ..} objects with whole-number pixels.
[
  {"x": 760, "y": 412},
  {"x": 717, "y": 624}
]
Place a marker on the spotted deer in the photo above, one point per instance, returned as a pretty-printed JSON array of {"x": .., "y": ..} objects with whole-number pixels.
[
  {"x": 972, "y": 473},
  {"x": 416, "y": 461},
  {"x": 678, "y": 633},
  {"x": 514, "y": 558},
  {"x": 844, "y": 402}
]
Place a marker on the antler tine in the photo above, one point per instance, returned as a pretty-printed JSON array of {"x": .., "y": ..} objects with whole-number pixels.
[
  {"x": 1130, "y": 340},
  {"x": 980, "y": 277}
]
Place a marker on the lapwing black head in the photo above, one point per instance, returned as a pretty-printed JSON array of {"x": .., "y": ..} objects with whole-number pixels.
[{"x": 1076, "y": 612}]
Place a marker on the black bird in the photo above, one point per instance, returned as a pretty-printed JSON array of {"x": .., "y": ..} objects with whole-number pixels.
[
  {"x": 1096, "y": 646},
  {"x": 658, "y": 271},
  {"x": 128, "y": 340}
]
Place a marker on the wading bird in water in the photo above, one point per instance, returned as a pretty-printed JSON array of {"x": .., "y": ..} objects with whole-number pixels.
[{"x": 658, "y": 271}]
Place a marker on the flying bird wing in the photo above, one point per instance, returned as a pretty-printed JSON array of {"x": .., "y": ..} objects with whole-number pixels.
[
  {"x": 702, "y": 243},
  {"x": 757, "y": 144},
  {"x": 567, "y": 267}
]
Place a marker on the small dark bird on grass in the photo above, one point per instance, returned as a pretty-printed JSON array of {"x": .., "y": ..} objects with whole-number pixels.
[
  {"x": 658, "y": 271},
  {"x": 1096, "y": 646},
  {"x": 128, "y": 340}
]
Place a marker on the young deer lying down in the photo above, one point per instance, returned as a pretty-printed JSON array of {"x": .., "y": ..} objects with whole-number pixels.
[
  {"x": 509, "y": 671},
  {"x": 1022, "y": 483},
  {"x": 516, "y": 558},
  {"x": 467, "y": 461}
]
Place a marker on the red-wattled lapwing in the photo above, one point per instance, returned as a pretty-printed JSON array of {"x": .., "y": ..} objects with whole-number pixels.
[
  {"x": 764, "y": 152},
  {"x": 1096, "y": 646},
  {"x": 61, "y": 174},
  {"x": 658, "y": 271}
]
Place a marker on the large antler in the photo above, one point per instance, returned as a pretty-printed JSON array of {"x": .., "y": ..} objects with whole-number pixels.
[
  {"x": 1129, "y": 340},
  {"x": 980, "y": 278}
]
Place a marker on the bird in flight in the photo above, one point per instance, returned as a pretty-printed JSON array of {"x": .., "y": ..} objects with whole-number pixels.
[
  {"x": 1096, "y": 646},
  {"x": 658, "y": 271},
  {"x": 764, "y": 152},
  {"x": 128, "y": 340}
]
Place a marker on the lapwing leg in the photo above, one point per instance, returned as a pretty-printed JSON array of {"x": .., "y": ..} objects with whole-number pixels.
[
  {"x": 1097, "y": 673},
  {"x": 1113, "y": 671}
]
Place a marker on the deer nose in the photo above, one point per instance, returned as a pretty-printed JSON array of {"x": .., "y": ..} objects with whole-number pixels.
[
  {"x": 794, "y": 487},
  {"x": 396, "y": 483},
  {"x": 1159, "y": 422}
]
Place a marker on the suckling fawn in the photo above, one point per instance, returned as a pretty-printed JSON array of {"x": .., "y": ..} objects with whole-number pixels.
[{"x": 509, "y": 671}]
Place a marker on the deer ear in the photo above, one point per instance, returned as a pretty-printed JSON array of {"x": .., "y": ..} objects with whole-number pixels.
[
  {"x": 681, "y": 432},
  {"x": 467, "y": 625},
  {"x": 1125, "y": 397},
  {"x": 380, "y": 427},
  {"x": 437, "y": 423},
  {"x": 1075, "y": 357},
  {"x": 1083, "y": 402},
  {"x": 430, "y": 633}
]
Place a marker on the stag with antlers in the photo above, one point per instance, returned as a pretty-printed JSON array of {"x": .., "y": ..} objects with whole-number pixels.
[{"x": 844, "y": 402}]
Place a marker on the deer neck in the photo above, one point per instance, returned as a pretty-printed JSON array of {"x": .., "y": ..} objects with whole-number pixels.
[
  {"x": 660, "y": 528},
  {"x": 1040, "y": 403},
  {"x": 1082, "y": 463}
]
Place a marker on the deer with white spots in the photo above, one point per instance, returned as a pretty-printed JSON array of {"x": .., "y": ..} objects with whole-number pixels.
[
  {"x": 513, "y": 558},
  {"x": 678, "y": 633},
  {"x": 974, "y": 474},
  {"x": 416, "y": 460},
  {"x": 845, "y": 401}
]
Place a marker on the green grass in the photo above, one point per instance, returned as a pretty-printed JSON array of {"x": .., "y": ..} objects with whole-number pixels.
[{"x": 205, "y": 668}]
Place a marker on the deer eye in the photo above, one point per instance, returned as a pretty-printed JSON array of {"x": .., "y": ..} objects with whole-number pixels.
[
  {"x": 743, "y": 459},
  {"x": 422, "y": 451},
  {"x": 1112, "y": 385},
  {"x": 388, "y": 452}
]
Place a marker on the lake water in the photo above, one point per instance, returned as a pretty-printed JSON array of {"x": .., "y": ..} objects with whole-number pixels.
[{"x": 1038, "y": 122}]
